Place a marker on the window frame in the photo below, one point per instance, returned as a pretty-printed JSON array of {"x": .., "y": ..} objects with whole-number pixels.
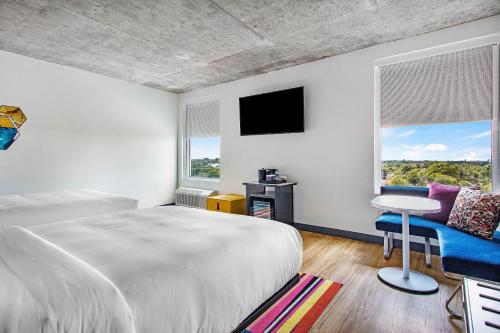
[
  {"x": 494, "y": 40},
  {"x": 186, "y": 144}
]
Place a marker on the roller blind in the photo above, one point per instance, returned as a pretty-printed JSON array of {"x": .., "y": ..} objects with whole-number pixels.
[
  {"x": 202, "y": 119},
  {"x": 451, "y": 87}
]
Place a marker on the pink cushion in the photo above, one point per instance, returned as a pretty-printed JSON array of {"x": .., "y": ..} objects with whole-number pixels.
[
  {"x": 446, "y": 195},
  {"x": 476, "y": 213}
]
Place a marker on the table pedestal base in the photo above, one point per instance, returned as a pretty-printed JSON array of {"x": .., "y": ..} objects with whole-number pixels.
[{"x": 417, "y": 283}]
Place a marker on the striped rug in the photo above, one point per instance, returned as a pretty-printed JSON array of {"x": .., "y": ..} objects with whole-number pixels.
[{"x": 298, "y": 309}]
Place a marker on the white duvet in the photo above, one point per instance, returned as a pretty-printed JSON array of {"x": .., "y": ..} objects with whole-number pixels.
[
  {"x": 178, "y": 270},
  {"x": 45, "y": 289},
  {"x": 30, "y": 209}
]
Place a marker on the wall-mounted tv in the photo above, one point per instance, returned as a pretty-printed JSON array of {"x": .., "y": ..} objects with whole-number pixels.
[{"x": 272, "y": 113}]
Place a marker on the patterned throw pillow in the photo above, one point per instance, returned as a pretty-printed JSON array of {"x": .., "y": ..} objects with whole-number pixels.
[{"x": 476, "y": 213}]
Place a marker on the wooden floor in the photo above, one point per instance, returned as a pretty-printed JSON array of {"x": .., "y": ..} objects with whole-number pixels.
[{"x": 364, "y": 304}]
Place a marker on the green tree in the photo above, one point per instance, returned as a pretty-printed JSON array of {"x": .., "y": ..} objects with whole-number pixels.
[
  {"x": 415, "y": 177},
  {"x": 444, "y": 168},
  {"x": 443, "y": 179},
  {"x": 420, "y": 173},
  {"x": 398, "y": 180}
]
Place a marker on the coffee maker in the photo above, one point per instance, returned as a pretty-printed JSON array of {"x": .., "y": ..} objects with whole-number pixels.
[{"x": 269, "y": 176}]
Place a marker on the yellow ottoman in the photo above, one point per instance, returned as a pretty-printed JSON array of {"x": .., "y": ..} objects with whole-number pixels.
[{"x": 227, "y": 203}]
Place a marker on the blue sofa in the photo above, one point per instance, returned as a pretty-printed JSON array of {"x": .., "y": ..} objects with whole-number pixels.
[{"x": 461, "y": 253}]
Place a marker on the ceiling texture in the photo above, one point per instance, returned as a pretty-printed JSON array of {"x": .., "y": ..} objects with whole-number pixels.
[{"x": 182, "y": 45}]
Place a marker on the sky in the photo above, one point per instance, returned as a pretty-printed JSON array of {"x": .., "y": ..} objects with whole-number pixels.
[
  {"x": 442, "y": 142},
  {"x": 205, "y": 148},
  {"x": 469, "y": 141}
]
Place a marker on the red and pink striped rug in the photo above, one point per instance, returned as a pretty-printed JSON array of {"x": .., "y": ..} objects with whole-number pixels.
[{"x": 299, "y": 308}]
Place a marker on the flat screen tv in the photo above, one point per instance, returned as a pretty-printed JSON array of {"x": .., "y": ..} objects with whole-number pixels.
[{"x": 272, "y": 113}]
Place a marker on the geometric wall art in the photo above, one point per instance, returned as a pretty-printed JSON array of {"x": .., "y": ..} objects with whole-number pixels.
[{"x": 11, "y": 119}]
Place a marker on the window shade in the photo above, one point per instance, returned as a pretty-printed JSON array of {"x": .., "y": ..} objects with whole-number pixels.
[
  {"x": 451, "y": 87},
  {"x": 202, "y": 119}
]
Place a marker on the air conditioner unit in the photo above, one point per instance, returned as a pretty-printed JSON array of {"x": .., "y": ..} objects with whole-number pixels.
[{"x": 192, "y": 197}]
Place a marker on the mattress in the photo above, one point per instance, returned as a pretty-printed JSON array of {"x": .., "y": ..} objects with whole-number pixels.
[
  {"x": 40, "y": 208},
  {"x": 178, "y": 269}
]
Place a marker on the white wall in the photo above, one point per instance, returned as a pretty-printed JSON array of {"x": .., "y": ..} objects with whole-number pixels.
[
  {"x": 87, "y": 131},
  {"x": 333, "y": 160}
]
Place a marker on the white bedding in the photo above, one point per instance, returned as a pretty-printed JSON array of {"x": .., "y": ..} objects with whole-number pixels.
[
  {"x": 179, "y": 269},
  {"x": 45, "y": 289},
  {"x": 40, "y": 208}
]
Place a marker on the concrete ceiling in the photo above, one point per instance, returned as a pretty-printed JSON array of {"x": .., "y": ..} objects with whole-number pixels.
[{"x": 182, "y": 45}]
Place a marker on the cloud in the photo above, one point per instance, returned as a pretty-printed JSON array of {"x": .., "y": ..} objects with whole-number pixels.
[
  {"x": 479, "y": 135},
  {"x": 435, "y": 147},
  {"x": 421, "y": 150},
  {"x": 431, "y": 147},
  {"x": 405, "y": 134},
  {"x": 393, "y": 133},
  {"x": 478, "y": 154},
  {"x": 471, "y": 156}
]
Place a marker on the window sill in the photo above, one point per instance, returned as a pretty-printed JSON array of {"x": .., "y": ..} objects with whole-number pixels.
[{"x": 196, "y": 179}]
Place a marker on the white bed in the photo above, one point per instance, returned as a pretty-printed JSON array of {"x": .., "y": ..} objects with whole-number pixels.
[
  {"x": 40, "y": 208},
  {"x": 163, "y": 269}
]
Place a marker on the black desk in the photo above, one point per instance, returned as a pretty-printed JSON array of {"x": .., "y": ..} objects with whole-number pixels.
[{"x": 280, "y": 198}]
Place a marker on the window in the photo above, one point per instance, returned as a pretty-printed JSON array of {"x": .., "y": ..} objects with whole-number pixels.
[
  {"x": 204, "y": 157},
  {"x": 437, "y": 120},
  {"x": 455, "y": 154},
  {"x": 202, "y": 141}
]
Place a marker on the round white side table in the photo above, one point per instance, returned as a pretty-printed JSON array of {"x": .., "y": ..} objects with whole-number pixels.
[{"x": 404, "y": 278}]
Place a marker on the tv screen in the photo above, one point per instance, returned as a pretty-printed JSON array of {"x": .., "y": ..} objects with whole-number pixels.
[{"x": 272, "y": 113}]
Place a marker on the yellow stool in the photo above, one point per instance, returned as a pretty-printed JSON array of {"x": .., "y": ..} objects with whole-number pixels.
[{"x": 227, "y": 203}]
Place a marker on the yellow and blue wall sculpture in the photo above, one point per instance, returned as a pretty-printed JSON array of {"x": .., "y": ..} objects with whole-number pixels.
[{"x": 11, "y": 119}]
